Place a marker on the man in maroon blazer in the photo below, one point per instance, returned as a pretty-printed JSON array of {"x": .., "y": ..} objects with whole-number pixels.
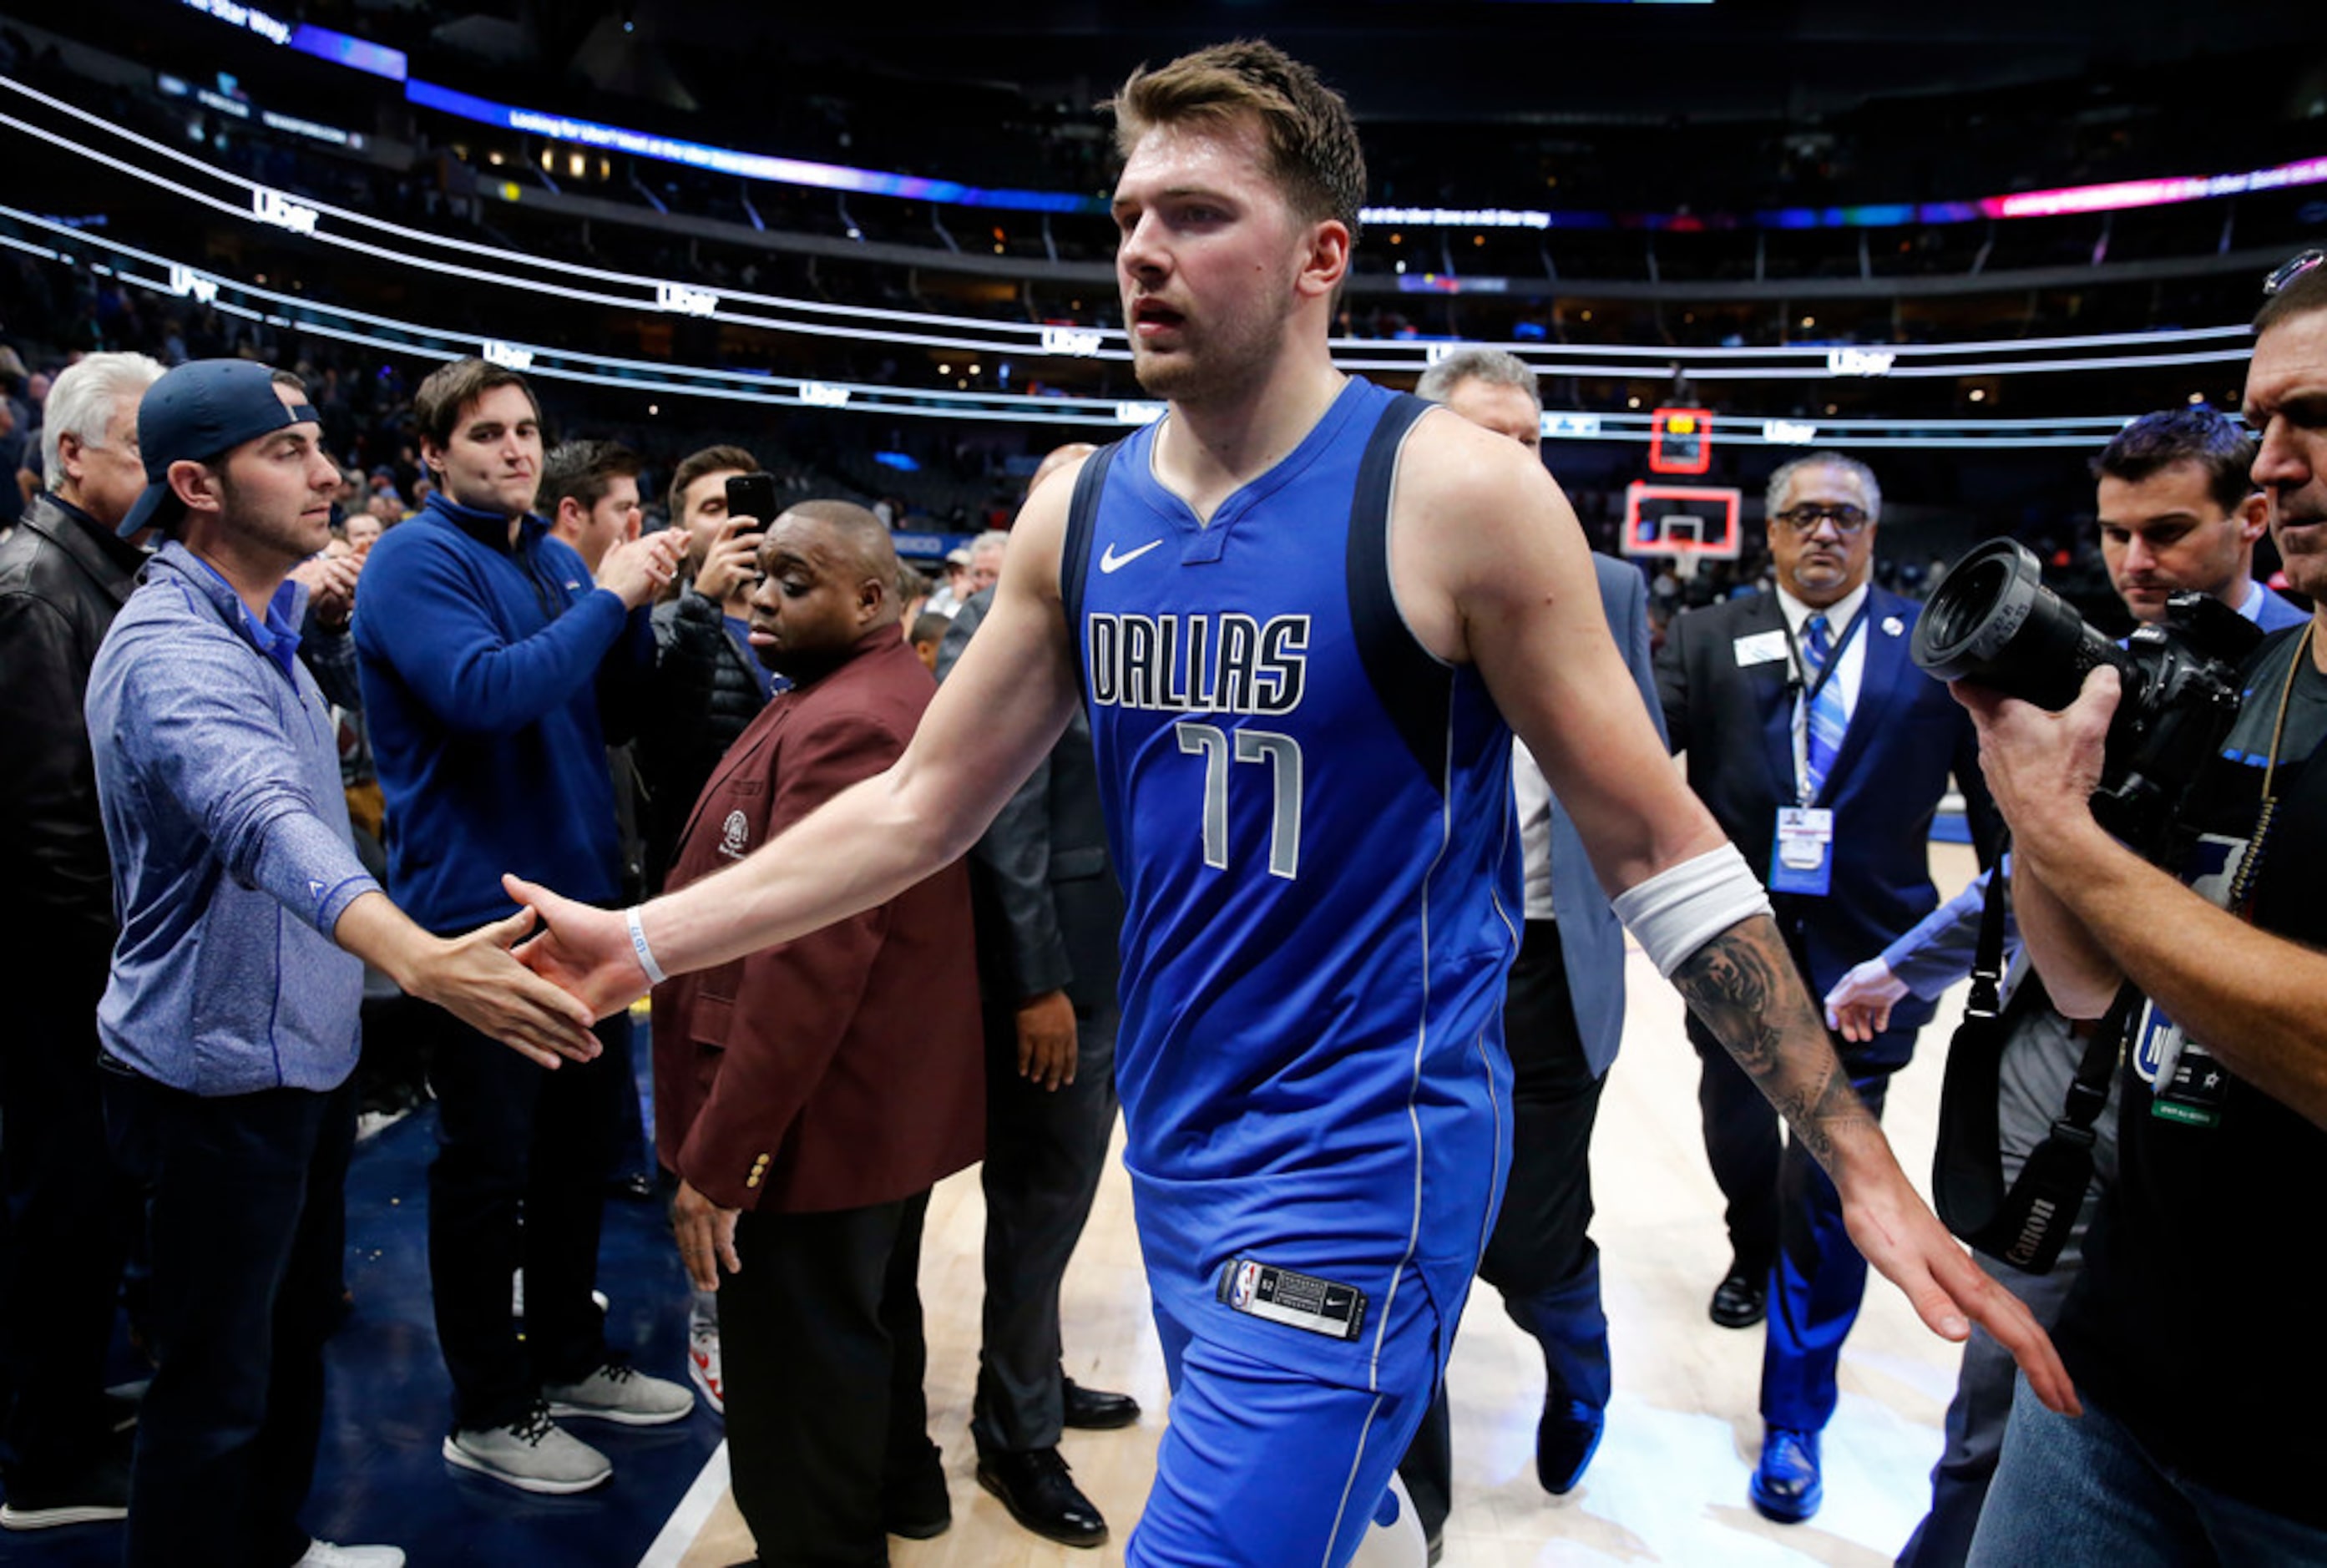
[{"x": 811, "y": 1094}]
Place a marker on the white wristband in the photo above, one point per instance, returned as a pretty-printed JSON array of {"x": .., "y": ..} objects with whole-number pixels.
[
  {"x": 655, "y": 976},
  {"x": 1683, "y": 907}
]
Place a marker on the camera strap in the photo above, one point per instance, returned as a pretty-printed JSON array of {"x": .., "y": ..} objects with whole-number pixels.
[{"x": 2027, "y": 1225}]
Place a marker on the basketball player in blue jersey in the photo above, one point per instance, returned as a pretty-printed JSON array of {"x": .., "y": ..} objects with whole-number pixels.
[{"x": 1305, "y": 615}]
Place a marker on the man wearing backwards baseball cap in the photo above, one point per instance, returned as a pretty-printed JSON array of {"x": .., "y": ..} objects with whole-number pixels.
[{"x": 230, "y": 1022}]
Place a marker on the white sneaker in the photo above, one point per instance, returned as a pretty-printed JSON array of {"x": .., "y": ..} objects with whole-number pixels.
[
  {"x": 620, "y": 1392},
  {"x": 329, "y": 1555},
  {"x": 702, "y": 1366},
  {"x": 531, "y": 1454}
]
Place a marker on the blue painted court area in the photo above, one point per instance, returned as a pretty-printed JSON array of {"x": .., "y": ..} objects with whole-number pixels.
[{"x": 380, "y": 1477}]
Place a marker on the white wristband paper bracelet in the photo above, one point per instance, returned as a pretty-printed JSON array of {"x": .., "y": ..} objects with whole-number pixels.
[
  {"x": 1683, "y": 907},
  {"x": 655, "y": 976}
]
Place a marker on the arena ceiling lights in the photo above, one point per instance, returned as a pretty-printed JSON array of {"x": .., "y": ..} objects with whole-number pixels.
[
  {"x": 348, "y": 230},
  {"x": 2118, "y": 196},
  {"x": 51, "y": 240}
]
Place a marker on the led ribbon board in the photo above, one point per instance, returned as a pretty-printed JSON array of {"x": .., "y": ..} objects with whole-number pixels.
[
  {"x": 53, "y": 241},
  {"x": 743, "y": 165},
  {"x": 360, "y": 54}
]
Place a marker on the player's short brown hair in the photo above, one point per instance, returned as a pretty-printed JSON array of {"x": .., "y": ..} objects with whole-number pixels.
[{"x": 1313, "y": 142}]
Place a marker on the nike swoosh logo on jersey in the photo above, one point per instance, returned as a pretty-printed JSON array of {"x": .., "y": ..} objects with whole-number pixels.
[{"x": 1111, "y": 563}]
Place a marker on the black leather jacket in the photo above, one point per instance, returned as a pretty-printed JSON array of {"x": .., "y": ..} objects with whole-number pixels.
[
  {"x": 64, "y": 576},
  {"x": 705, "y": 696}
]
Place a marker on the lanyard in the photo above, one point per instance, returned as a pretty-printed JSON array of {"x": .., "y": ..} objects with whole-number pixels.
[
  {"x": 2240, "y": 901},
  {"x": 1806, "y": 691}
]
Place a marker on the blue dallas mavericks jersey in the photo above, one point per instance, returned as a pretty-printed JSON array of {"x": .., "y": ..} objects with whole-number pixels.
[{"x": 1313, "y": 820}]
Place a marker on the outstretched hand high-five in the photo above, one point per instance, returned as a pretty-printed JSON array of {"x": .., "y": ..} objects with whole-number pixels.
[
  {"x": 583, "y": 950},
  {"x": 475, "y": 976}
]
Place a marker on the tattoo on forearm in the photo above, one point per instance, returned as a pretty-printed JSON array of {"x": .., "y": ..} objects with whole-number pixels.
[{"x": 1743, "y": 985}]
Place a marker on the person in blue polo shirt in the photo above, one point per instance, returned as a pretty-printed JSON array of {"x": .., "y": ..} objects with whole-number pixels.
[{"x": 229, "y": 1021}]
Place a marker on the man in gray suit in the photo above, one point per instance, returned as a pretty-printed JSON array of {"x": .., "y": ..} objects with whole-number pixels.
[
  {"x": 1048, "y": 915},
  {"x": 1563, "y": 1016}
]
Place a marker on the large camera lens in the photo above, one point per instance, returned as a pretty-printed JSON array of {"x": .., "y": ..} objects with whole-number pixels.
[{"x": 1991, "y": 621}]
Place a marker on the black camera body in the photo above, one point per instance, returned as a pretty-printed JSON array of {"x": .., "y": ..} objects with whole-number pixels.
[{"x": 1992, "y": 621}]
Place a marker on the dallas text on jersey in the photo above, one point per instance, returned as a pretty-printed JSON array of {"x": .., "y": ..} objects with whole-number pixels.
[{"x": 1224, "y": 664}]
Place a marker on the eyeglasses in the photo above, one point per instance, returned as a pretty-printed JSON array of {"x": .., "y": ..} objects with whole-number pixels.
[
  {"x": 1806, "y": 517},
  {"x": 2287, "y": 271}
]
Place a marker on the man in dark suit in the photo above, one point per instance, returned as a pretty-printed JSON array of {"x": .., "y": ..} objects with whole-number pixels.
[
  {"x": 1563, "y": 1018},
  {"x": 1823, "y": 752},
  {"x": 811, "y": 1094},
  {"x": 1049, "y": 918}
]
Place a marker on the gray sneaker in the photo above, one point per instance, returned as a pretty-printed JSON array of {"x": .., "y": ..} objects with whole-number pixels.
[
  {"x": 530, "y": 1454},
  {"x": 620, "y": 1392}
]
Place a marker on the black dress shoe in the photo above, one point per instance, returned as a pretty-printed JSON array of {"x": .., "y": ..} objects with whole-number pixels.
[
  {"x": 1039, "y": 1494},
  {"x": 917, "y": 1530},
  {"x": 1740, "y": 1300},
  {"x": 1565, "y": 1438},
  {"x": 1096, "y": 1410},
  {"x": 1786, "y": 1485}
]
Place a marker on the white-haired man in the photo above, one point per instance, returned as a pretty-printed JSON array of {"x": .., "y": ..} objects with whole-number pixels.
[
  {"x": 1563, "y": 1016},
  {"x": 64, "y": 574}
]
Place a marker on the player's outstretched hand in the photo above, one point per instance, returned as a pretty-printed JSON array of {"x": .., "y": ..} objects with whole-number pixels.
[
  {"x": 1904, "y": 1240},
  {"x": 582, "y": 950},
  {"x": 1859, "y": 1005},
  {"x": 477, "y": 979}
]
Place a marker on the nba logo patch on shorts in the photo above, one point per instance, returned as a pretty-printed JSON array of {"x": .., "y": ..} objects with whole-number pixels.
[{"x": 1297, "y": 1301}]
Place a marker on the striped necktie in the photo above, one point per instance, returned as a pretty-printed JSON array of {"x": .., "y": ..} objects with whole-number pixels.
[{"x": 1827, "y": 718}]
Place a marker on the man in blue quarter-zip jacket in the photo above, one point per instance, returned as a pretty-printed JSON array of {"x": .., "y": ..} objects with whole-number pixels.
[
  {"x": 494, "y": 674},
  {"x": 229, "y": 1021}
]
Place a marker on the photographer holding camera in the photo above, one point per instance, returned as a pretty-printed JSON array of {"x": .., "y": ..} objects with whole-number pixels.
[
  {"x": 2190, "y": 1329},
  {"x": 2177, "y": 514}
]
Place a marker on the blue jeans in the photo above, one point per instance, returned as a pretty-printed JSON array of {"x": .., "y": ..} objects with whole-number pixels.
[
  {"x": 248, "y": 1227},
  {"x": 2083, "y": 1494}
]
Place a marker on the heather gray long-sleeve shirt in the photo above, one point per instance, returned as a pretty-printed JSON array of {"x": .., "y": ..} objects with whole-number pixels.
[{"x": 219, "y": 780}]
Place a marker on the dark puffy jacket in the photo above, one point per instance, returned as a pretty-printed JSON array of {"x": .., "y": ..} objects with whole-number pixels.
[
  {"x": 705, "y": 696},
  {"x": 63, "y": 577}
]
